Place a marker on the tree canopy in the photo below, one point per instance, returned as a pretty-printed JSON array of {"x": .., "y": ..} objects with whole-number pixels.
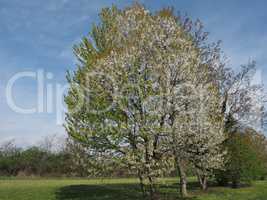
[{"x": 151, "y": 92}]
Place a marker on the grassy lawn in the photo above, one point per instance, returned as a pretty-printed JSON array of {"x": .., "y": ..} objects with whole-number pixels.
[{"x": 115, "y": 189}]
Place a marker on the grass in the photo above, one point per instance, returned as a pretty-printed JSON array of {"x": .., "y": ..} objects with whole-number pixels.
[{"x": 115, "y": 189}]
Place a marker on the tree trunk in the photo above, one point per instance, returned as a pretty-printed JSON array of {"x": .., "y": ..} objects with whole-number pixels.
[
  {"x": 148, "y": 190},
  {"x": 183, "y": 186},
  {"x": 142, "y": 187},
  {"x": 183, "y": 178},
  {"x": 203, "y": 182},
  {"x": 235, "y": 180},
  {"x": 235, "y": 184},
  {"x": 153, "y": 194}
]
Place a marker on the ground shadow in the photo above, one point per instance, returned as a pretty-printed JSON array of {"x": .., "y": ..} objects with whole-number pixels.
[
  {"x": 99, "y": 192},
  {"x": 192, "y": 186},
  {"x": 113, "y": 192}
]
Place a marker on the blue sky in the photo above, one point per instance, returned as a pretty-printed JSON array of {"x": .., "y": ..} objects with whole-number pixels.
[{"x": 37, "y": 34}]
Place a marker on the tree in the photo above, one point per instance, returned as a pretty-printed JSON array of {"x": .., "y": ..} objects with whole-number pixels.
[
  {"x": 150, "y": 89},
  {"x": 9, "y": 158},
  {"x": 130, "y": 77},
  {"x": 190, "y": 98},
  {"x": 242, "y": 105},
  {"x": 121, "y": 81},
  {"x": 246, "y": 158}
]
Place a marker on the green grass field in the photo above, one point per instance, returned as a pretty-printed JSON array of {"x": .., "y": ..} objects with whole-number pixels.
[{"x": 115, "y": 189}]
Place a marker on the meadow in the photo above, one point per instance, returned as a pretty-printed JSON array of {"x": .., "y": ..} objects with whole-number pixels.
[{"x": 116, "y": 189}]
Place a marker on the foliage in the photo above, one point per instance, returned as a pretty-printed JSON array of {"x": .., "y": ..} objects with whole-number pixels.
[
  {"x": 246, "y": 158},
  {"x": 141, "y": 92},
  {"x": 70, "y": 159},
  {"x": 85, "y": 163},
  {"x": 32, "y": 161}
]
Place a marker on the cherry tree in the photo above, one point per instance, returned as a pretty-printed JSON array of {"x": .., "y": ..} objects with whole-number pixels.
[{"x": 150, "y": 89}]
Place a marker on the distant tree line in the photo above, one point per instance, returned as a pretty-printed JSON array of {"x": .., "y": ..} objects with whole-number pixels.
[
  {"x": 33, "y": 161},
  {"x": 53, "y": 159}
]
